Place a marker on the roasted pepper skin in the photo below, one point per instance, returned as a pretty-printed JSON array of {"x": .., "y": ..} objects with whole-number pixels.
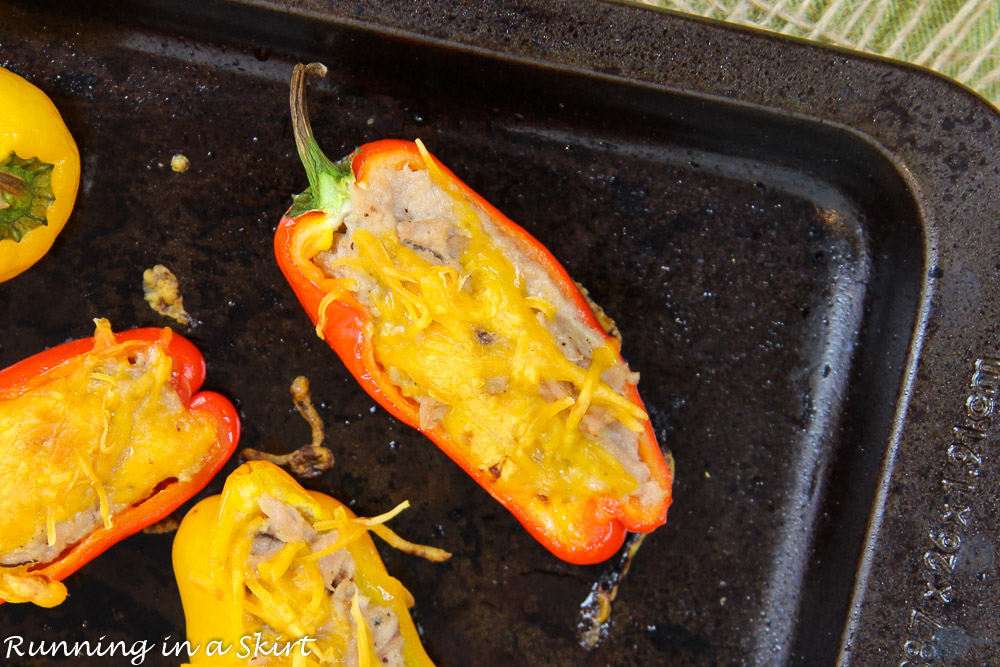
[
  {"x": 31, "y": 127},
  {"x": 347, "y": 329},
  {"x": 187, "y": 376},
  {"x": 208, "y": 617}
]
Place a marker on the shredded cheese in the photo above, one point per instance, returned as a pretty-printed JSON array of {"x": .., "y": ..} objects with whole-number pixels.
[
  {"x": 386, "y": 516},
  {"x": 349, "y": 535},
  {"x": 103, "y": 376},
  {"x": 330, "y": 297},
  {"x": 397, "y": 542},
  {"x": 602, "y": 359},
  {"x": 102, "y": 493},
  {"x": 363, "y": 635},
  {"x": 273, "y": 569},
  {"x": 335, "y": 290}
]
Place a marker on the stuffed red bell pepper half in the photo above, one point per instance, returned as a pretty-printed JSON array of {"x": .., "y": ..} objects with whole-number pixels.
[
  {"x": 99, "y": 438},
  {"x": 461, "y": 324}
]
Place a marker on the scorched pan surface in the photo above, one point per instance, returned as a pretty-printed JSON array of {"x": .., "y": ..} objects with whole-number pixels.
[{"x": 799, "y": 247}]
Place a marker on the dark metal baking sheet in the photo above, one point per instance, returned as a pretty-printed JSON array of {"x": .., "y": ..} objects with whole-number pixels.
[{"x": 799, "y": 245}]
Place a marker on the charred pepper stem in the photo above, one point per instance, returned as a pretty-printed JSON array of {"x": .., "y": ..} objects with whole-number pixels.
[
  {"x": 309, "y": 460},
  {"x": 595, "y": 612}
]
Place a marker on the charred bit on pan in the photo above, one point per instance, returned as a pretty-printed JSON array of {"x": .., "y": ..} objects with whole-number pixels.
[
  {"x": 161, "y": 290},
  {"x": 310, "y": 460},
  {"x": 166, "y": 525},
  {"x": 180, "y": 163},
  {"x": 595, "y": 611}
]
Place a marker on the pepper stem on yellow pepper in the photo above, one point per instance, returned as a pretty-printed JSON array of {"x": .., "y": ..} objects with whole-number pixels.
[{"x": 25, "y": 195}]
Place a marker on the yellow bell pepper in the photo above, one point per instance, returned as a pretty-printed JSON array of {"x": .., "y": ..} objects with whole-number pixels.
[
  {"x": 39, "y": 174},
  {"x": 292, "y": 577}
]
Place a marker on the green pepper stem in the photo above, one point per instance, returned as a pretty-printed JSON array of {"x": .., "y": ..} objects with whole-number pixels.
[
  {"x": 25, "y": 195},
  {"x": 327, "y": 179}
]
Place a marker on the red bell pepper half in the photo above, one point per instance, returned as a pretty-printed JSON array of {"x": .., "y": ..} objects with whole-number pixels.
[
  {"x": 187, "y": 373},
  {"x": 587, "y": 528}
]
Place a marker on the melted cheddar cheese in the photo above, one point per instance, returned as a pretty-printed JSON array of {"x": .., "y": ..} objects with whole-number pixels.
[
  {"x": 467, "y": 338},
  {"x": 285, "y": 595},
  {"x": 95, "y": 436}
]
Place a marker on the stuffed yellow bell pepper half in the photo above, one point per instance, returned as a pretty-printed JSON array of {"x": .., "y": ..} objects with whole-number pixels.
[{"x": 272, "y": 574}]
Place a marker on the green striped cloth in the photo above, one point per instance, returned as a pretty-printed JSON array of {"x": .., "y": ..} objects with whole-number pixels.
[{"x": 958, "y": 38}]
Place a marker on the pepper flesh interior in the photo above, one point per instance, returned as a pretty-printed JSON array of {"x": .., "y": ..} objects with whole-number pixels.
[
  {"x": 95, "y": 436},
  {"x": 480, "y": 337}
]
